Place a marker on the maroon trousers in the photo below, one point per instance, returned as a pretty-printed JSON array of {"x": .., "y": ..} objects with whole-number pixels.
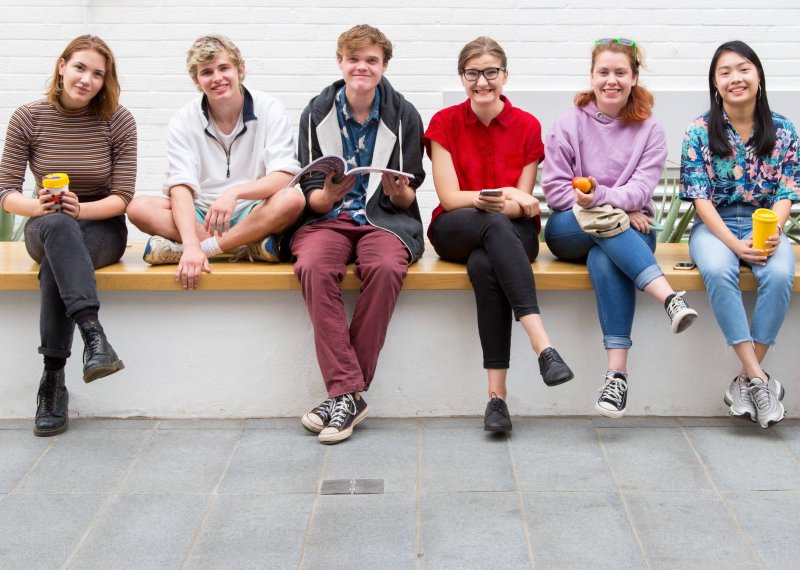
[{"x": 348, "y": 355}]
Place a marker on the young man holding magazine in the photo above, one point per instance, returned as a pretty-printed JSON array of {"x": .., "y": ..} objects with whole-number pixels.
[{"x": 371, "y": 219}]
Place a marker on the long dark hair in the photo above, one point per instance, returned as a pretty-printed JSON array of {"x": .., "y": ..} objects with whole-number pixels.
[{"x": 763, "y": 127}]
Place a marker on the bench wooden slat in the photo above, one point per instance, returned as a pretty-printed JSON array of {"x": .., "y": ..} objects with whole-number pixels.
[{"x": 19, "y": 273}]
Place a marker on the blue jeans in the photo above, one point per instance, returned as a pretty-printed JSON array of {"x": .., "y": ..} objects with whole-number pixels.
[
  {"x": 69, "y": 251},
  {"x": 617, "y": 267},
  {"x": 719, "y": 267}
]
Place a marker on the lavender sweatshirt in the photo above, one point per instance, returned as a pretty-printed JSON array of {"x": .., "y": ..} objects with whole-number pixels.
[{"x": 626, "y": 159}]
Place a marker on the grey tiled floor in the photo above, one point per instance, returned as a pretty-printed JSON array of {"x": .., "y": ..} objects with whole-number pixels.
[{"x": 560, "y": 493}]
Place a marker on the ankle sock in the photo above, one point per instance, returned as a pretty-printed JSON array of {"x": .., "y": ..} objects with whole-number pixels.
[
  {"x": 83, "y": 315},
  {"x": 53, "y": 364},
  {"x": 611, "y": 372},
  {"x": 668, "y": 299},
  {"x": 210, "y": 247}
]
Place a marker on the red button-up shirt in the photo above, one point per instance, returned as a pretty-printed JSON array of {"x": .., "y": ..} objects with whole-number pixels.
[{"x": 490, "y": 156}]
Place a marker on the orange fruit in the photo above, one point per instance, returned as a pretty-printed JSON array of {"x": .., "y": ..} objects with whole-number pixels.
[{"x": 583, "y": 184}]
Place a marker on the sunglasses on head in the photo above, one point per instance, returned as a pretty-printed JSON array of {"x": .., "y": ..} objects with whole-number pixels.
[{"x": 621, "y": 41}]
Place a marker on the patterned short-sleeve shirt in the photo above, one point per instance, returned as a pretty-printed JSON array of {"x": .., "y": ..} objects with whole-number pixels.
[
  {"x": 743, "y": 176},
  {"x": 358, "y": 146}
]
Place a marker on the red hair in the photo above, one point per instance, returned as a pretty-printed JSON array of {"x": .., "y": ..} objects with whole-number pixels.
[{"x": 640, "y": 101}]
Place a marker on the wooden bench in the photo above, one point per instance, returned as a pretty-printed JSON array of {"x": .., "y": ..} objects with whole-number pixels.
[{"x": 18, "y": 272}]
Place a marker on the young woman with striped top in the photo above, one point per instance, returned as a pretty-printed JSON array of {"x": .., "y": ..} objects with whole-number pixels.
[{"x": 79, "y": 129}]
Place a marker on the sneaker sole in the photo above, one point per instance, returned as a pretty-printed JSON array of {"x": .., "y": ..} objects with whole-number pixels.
[
  {"x": 329, "y": 439},
  {"x": 728, "y": 399},
  {"x": 50, "y": 432},
  {"x": 609, "y": 413},
  {"x": 772, "y": 422},
  {"x": 684, "y": 323},
  {"x": 102, "y": 371},
  {"x": 309, "y": 425}
]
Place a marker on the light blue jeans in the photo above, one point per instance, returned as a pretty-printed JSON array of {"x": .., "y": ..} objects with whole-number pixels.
[
  {"x": 617, "y": 267},
  {"x": 719, "y": 267}
]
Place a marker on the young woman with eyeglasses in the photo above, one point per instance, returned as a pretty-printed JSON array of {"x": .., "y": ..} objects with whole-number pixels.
[
  {"x": 485, "y": 155},
  {"x": 737, "y": 157},
  {"x": 610, "y": 137},
  {"x": 79, "y": 129}
]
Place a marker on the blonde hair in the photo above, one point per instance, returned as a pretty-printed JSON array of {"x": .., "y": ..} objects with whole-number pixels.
[
  {"x": 361, "y": 36},
  {"x": 478, "y": 47},
  {"x": 106, "y": 102},
  {"x": 206, "y": 48}
]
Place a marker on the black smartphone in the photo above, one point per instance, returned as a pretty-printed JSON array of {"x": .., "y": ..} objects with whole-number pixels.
[{"x": 684, "y": 265}]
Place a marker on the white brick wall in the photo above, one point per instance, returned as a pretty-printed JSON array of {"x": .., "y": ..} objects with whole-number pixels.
[{"x": 289, "y": 47}]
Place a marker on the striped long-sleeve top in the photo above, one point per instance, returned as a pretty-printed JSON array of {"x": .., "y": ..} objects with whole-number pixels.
[{"x": 98, "y": 154}]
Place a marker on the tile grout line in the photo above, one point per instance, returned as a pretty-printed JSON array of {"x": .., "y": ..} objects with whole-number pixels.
[
  {"x": 214, "y": 495},
  {"x": 418, "y": 493},
  {"x": 521, "y": 499},
  {"x": 313, "y": 514},
  {"x": 112, "y": 496},
  {"x": 34, "y": 465},
  {"x": 625, "y": 507},
  {"x": 724, "y": 500},
  {"x": 786, "y": 445}
]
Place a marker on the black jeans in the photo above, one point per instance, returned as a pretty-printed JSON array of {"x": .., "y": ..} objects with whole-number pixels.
[
  {"x": 69, "y": 251},
  {"x": 498, "y": 252}
]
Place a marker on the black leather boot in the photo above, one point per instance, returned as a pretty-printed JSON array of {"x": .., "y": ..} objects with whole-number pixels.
[
  {"x": 51, "y": 405},
  {"x": 99, "y": 358}
]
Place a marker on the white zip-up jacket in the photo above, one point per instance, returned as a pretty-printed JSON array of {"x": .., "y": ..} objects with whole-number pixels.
[{"x": 200, "y": 161}]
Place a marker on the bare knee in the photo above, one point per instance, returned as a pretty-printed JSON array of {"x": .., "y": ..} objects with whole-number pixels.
[{"x": 143, "y": 212}]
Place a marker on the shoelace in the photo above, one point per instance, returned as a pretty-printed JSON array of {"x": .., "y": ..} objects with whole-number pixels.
[
  {"x": 613, "y": 389},
  {"x": 676, "y": 305},
  {"x": 744, "y": 388},
  {"x": 762, "y": 395},
  {"x": 344, "y": 406},
  {"x": 45, "y": 403},
  {"x": 549, "y": 356},
  {"x": 325, "y": 409}
]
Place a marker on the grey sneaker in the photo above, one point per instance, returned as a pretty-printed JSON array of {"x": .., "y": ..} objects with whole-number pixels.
[
  {"x": 161, "y": 251},
  {"x": 739, "y": 399},
  {"x": 264, "y": 250},
  {"x": 738, "y": 396},
  {"x": 769, "y": 409},
  {"x": 681, "y": 316},
  {"x": 316, "y": 420}
]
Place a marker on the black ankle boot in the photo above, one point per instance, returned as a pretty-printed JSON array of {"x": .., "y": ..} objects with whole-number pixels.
[
  {"x": 51, "y": 405},
  {"x": 99, "y": 358}
]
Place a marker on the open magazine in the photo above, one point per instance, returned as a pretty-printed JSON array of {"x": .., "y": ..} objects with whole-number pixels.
[{"x": 336, "y": 164}]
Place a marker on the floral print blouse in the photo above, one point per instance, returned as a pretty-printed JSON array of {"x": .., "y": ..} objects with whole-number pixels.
[{"x": 743, "y": 176}]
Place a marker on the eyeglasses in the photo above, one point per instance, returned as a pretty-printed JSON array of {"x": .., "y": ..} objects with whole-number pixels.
[
  {"x": 620, "y": 41},
  {"x": 490, "y": 73}
]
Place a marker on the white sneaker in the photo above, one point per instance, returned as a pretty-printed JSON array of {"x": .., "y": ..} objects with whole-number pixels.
[
  {"x": 769, "y": 408},
  {"x": 160, "y": 251},
  {"x": 263, "y": 250}
]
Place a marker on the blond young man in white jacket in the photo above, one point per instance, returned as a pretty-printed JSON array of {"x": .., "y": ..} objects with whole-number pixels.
[{"x": 230, "y": 155}]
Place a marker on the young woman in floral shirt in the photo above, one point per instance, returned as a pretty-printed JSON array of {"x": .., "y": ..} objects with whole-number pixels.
[{"x": 737, "y": 157}]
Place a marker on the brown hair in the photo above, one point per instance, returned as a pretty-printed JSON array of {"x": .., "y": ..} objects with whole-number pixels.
[
  {"x": 106, "y": 102},
  {"x": 479, "y": 46},
  {"x": 640, "y": 101},
  {"x": 206, "y": 48},
  {"x": 361, "y": 36}
]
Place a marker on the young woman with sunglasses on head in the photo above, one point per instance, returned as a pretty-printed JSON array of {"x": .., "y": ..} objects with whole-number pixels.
[
  {"x": 485, "y": 155},
  {"x": 610, "y": 137},
  {"x": 79, "y": 129},
  {"x": 737, "y": 157}
]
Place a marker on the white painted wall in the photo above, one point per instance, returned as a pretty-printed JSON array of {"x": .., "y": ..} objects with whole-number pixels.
[
  {"x": 251, "y": 354},
  {"x": 289, "y": 47},
  {"x": 264, "y": 363}
]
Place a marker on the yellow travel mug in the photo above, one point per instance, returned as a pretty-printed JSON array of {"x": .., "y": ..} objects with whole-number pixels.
[{"x": 765, "y": 224}]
